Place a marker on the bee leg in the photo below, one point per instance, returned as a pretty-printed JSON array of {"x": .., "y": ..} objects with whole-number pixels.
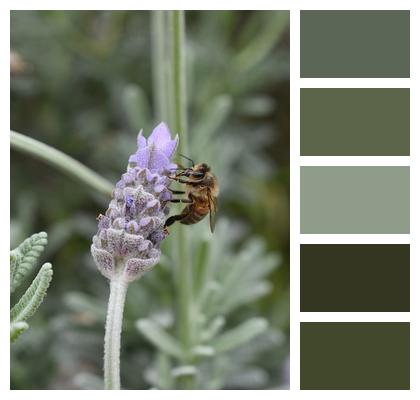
[
  {"x": 188, "y": 201},
  {"x": 180, "y": 180},
  {"x": 176, "y": 191},
  {"x": 178, "y": 167},
  {"x": 173, "y": 219}
]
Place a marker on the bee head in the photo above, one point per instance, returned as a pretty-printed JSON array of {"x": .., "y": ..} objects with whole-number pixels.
[
  {"x": 203, "y": 167},
  {"x": 199, "y": 171}
]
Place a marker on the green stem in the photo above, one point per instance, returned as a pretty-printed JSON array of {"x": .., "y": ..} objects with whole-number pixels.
[
  {"x": 61, "y": 161},
  {"x": 113, "y": 326},
  {"x": 177, "y": 24},
  {"x": 184, "y": 274},
  {"x": 159, "y": 65},
  {"x": 171, "y": 106}
]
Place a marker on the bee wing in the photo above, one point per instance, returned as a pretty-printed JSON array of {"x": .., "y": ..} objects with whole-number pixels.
[{"x": 213, "y": 209}]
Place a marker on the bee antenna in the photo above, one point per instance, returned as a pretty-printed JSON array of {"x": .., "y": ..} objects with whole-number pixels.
[{"x": 187, "y": 158}]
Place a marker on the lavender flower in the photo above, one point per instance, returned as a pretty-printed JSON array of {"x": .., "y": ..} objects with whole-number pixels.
[{"x": 128, "y": 240}]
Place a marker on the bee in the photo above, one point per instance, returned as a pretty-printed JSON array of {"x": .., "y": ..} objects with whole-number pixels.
[{"x": 201, "y": 195}]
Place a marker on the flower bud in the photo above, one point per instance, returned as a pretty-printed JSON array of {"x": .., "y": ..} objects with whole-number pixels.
[{"x": 129, "y": 235}]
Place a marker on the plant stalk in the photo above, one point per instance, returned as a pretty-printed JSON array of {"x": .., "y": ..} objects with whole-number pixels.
[
  {"x": 171, "y": 106},
  {"x": 184, "y": 274},
  {"x": 113, "y": 326},
  {"x": 61, "y": 161}
]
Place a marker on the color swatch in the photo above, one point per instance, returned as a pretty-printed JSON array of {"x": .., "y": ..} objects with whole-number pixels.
[
  {"x": 368, "y": 194},
  {"x": 355, "y": 355},
  {"x": 355, "y": 199},
  {"x": 354, "y": 277},
  {"x": 355, "y": 44},
  {"x": 355, "y": 122}
]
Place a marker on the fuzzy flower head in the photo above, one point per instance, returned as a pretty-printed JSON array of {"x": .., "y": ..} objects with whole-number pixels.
[{"x": 129, "y": 234}]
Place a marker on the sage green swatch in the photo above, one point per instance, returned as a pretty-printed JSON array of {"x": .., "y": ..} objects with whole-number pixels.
[
  {"x": 354, "y": 199},
  {"x": 355, "y": 355},
  {"x": 355, "y": 44},
  {"x": 355, "y": 122}
]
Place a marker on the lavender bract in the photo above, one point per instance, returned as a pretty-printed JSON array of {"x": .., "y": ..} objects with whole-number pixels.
[{"x": 129, "y": 234}]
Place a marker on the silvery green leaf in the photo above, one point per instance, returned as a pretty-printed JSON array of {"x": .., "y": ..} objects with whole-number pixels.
[
  {"x": 29, "y": 252},
  {"x": 213, "y": 328},
  {"x": 184, "y": 370},
  {"x": 164, "y": 376},
  {"x": 249, "y": 378},
  {"x": 239, "y": 335},
  {"x": 88, "y": 381},
  {"x": 33, "y": 296},
  {"x": 203, "y": 351},
  {"x": 16, "y": 328},
  {"x": 160, "y": 338},
  {"x": 247, "y": 294},
  {"x": 15, "y": 260}
]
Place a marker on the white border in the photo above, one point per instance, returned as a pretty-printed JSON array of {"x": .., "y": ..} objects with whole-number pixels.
[{"x": 294, "y": 6}]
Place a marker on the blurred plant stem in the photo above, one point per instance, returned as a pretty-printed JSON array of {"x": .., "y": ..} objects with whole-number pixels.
[
  {"x": 257, "y": 49},
  {"x": 114, "y": 317},
  {"x": 61, "y": 161},
  {"x": 162, "y": 74},
  {"x": 171, "y": 105}
]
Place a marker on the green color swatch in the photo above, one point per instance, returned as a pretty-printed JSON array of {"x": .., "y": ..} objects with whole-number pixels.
[
  {"x": 355, "y": 355},
  {"x": 355, "y": 122},
  {"x": 355, "y": 199},
  {"x": 355, "y": 277},
  {"x": 355, "y": 44}
]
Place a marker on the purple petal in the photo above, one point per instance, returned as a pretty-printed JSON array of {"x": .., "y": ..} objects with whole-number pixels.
[
  {"x": 141, "y": 158},
  {"x": 158, "y": 160},
  {"x": 141, "y": 140},
  {"x": 132, "y": 159},
  {"x": 104, "y": 222},
  {"x": 172, "y": 167},
  {"x": 103, "y": 260},
  {"x": 144, "y": 245},
  {"x": 150, "y": 176},
  {"x": 145, "y": 221},
  {"x": 165, "y": 196},
  {"x": 152, "y": 203},
  {"x": 136, "y": 267},
  {"x": 160, "y": 135},
  {"x": 132, "y": 227},
  {"x": 159, "y": 188},
  {"x": 161, "y": 139}
]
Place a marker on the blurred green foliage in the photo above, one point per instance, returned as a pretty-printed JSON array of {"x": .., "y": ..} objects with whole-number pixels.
[{"x": 85, "y": 87}]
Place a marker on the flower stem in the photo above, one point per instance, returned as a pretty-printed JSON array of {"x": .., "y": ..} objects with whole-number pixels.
[
  {"x": 162, "y": 81},
  {"x": 184, "y": 275},
  {"x": 61, "y": 161},
  {"x": 171, "y": 106},
  {"x": 118, "y": 290},
  {"x": 177, "y": 24}
]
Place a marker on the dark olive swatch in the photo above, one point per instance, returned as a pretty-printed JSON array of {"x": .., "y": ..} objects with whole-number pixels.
[
  {"x": 355, "y": 277},
  {"x": 355, "y": 122},
  {"x": 355, "y": 355},
  {"x": 355, "y": 44}
]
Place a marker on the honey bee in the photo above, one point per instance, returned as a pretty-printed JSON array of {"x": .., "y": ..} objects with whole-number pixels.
[{"x": 201, "y": 195}]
